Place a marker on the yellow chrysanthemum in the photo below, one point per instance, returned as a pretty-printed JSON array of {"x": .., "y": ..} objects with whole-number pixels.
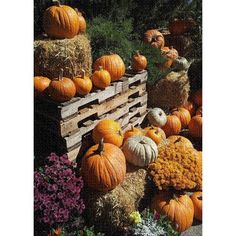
[{"x": 135, "y": 217}]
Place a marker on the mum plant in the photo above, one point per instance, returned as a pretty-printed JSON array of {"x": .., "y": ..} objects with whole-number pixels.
[{"x": 57, "y": 192}]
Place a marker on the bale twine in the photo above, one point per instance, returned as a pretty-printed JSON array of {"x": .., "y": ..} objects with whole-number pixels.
[
  {"x": 169, "y": 92},
  {"x": 70, "y": 54},
  {"x": 110, "y": 211}
]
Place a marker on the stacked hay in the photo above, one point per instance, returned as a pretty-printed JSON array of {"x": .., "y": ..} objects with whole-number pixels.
[
  {"x": 110, "y": 211},
  {"x": 171, "y": 91},
  {"x": 70, "y": 54}
]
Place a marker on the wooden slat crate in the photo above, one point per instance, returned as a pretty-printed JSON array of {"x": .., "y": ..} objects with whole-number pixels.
[{"x": 66, "y": 125}]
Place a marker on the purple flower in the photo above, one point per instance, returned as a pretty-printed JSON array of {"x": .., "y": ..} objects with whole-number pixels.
[{"x": 157, "y": 216}]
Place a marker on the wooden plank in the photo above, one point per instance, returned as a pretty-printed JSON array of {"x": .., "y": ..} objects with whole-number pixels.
[{"x": 59, "y": 111}]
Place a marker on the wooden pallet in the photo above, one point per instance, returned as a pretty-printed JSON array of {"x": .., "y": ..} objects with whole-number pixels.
[
  {"x": 66, "y": 110},
  {"x": 63, "y": 128}
]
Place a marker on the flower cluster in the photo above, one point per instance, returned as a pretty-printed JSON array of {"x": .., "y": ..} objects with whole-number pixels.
[
  {"x": 177, "y": 167},
  {"x": 57, "y": 191}
]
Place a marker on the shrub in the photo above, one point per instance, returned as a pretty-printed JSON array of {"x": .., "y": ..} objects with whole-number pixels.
[{"x": 57, "y": 192}]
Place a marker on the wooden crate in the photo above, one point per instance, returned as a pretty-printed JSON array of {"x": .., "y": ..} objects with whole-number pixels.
[{"x": 65, "y": 126}]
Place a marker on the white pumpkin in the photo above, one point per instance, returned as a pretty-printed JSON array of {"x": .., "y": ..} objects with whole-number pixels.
[
  {"x": 157, "y": 117},
  {"x": 181, "y": 63},
  {"x": 140, "y": 150}
]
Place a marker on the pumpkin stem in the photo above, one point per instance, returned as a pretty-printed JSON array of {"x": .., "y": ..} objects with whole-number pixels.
[
  {"x": 56, "y": 2},
  {"x": 100, "y": 68},
  {"x": 177, "y": 140},
  {"x": 120, "y": 133},
  {"x": 132, "y": 127},
  {"x": 60, "y": 74},
  {"x": 101, "y": 146},
  {"x": 137, "y": 53},
  {"x": 83, "y": 73}
]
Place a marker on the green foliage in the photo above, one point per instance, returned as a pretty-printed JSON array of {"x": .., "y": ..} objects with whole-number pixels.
[{"x": 89, "y": 231}]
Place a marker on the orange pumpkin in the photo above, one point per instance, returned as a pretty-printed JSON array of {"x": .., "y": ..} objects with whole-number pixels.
[
  {"x": 178, "y": 208},
  {"x": 199, "y": 111},
  {"x": 82, "y": 22},
  {"x": 169, "y": 54},
  {"x": 110, "y": 131},
  {"x": 190, "y": 107},
  {"x": 61, "y": 89},
  {"x": 195, "y": 126},
  {"x": 180, "y": 140},
  {"x": 132, "y": 132},
  {"x": 197, "y": 97},
  {"x": 155, "y": 38},
  {"x": 197, "y": 203},
  {"x": 183, "y": 114},
  {"x": 172, "y": 126},
  {"x": 179, "y": 26},
  {"x": 155, "y": 133},
  {"x": 83, "y": 84},
  {"x": 41, "y": 84},
  {"x": 101, "y": 78},
  {"x": 60, "y": 21},
  {"x": 113, "y": 64},
  {"x": 139, "y": 62},
  {"x": 103, "y": 167}
]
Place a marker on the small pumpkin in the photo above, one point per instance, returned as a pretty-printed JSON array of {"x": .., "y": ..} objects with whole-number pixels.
[
  {"x": 183, "y": 114},
  {"x": 157, "y": 117},
  {"x": 140, "y": 150},
  {"x": 180, "y": 140},
  {"x": 199, "y": 111},
  {"x": 103, "y": 166},
  {"x": 195, "y": 126},
  {"x": 178, "y": 208},
  {"x": 180, "y": 63},
  {"x": 172, "y": 126},
  {"x": 132, "y": 132},
  {"x": 113, "y": 64},
  {"x": 155, "y": 38},
  {"x": 101, "y": 78},
  {"x": 60, "y": 21},
  {"x": 110, "y": 131},
  {"x": 83, "y": 84},
  {"x": 61, "y": 89},
  {"x": 41, "y": 84},
  {"x": 139, "y": 62},
  {"x": 190, "y": 107},
  {"x": 155, "y": 133},
  {"x": 196, "y": 97},
  {"x": 169, "y": 54},
  {"x": 82, "y": 22},
  {"x": 197, "y": 203}
]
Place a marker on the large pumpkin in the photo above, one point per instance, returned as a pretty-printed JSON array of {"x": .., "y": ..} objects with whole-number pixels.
[
  {"x": 180, "y": 140},
  {"x": 155, "y": 133},
  {"x": 180, "y": 26},
  {"x": 190, "y": 107},
  {"x": 178, "y": 209},
  {"x": 82, "y": 22},
  {"x": 183, "y": 115},
  {"x": 155, "y": 38},
  {"x": 101, "y": 78},
  {"x": 199, "y": 111},
  {"x": 83, "y": 84},
  {"x": 103, "y": 167},
  {"x": 139, "y": 62},
  {"x": 61, "y": 89},
  {"x": 140, "y": 150},
  {"x": 113, "y": 64},
  {"x": 60, "y": 21},
  {"x": 157, "y": 117},
  {"x": 132, "y": 132},
  {"x": 110, "y": 131},
  {"x": 197, "y": 203},
  {"x": 172, "y": 126},
  {"x": 41, "y": 84},
  {"x": 195, "y": 126}
]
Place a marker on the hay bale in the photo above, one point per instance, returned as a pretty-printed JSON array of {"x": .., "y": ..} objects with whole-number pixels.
[
  {"x": 169, "y": 92},
  {"x": 70, "y": 54},
  {"x": 110, "y": 211}
]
